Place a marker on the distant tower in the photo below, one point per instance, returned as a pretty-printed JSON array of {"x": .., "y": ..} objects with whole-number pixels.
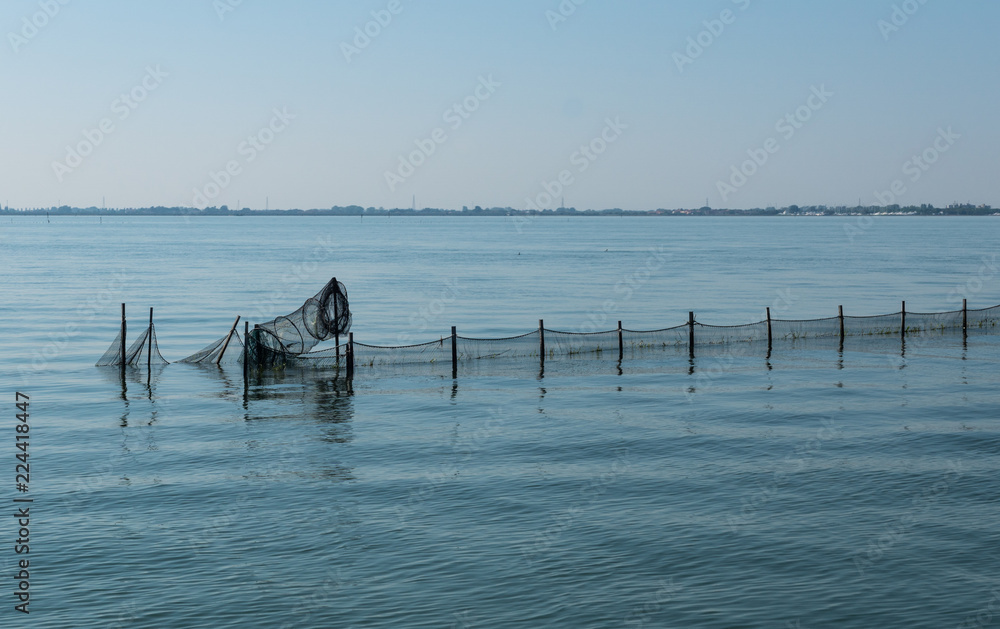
[{"x": 414, "y": 203}]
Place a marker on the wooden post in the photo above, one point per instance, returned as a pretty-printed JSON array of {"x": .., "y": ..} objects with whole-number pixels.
[
  {"x": 840, "y": 315},
  {"x": 454, "y": 352},
  {"x": 902, "y": 321},
  {"x": 691, "y": 334},
  {"x": 246, "y": 352},
  {"x": 123, "y": 337},
  {"x": 965, "y": 315},
  {"x": 621, "y": 344},
  {"x": 149, "y": 351},
  {"x": 541, "y": 340},
  {"x": 768, "y": 328},
  {"x": 350, "y": 355},
  {"x": 226, "y": 344}
]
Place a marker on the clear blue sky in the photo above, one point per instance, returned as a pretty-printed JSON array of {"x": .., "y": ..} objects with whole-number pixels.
[{"x": 552, "y": 87}]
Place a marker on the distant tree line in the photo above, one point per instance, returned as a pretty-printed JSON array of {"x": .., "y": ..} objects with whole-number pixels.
[{"x": 357, "y": 210}]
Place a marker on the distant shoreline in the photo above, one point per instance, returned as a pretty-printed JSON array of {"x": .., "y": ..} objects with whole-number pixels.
[{"x": 354, "y": 210}]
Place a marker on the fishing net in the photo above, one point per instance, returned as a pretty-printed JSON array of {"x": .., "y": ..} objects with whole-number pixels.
[
  {"x": 581, "y": 343},
  {"x": 795, "y": 329},
  {"x": 984, "y": 321},
  {"x": 675, "y": 337},
  {"x": 323, "y": 317},
  {"x": 705, "y": 334},
  {"x": 430, "y": 353},
  {"x": 325, "y": 358},
  {"x": 878, "y": 325},
  {"x": 521, "y": 346},
  {"x": 290, "y": 340},
  {"x": 933, "y": 322},
  {"x": 143, "y": 351},
  {"x": 114, "y": 354},
  {"x": 228, "y": 349}
]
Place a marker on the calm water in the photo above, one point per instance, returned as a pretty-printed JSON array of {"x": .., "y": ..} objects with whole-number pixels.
[{"x": 814, "y": 489}]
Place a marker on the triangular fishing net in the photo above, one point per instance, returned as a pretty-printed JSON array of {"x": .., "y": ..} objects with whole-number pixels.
[
  {"x": 220, "y": 351},
  {"x": 114, "y": 354},
  {"x": 144, "y": 350}
]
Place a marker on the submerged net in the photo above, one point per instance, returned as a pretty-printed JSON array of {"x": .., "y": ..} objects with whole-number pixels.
[
  {"x": 143, "y": 351},
  {"x": 424, "y": 353},
  {"x": 984, "y": 321},
  {"x": 511, "y": 347},
  {"x": 705, "y": 334},
  {"x": 675, "y": 337},
  {"x": 594, "y": 344},
  {"x": 325, "y": 358},
  {"x": 795, "y": 329}
]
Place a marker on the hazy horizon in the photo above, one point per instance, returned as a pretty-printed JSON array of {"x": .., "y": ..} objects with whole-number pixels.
[{"x": 728, "y": 103}]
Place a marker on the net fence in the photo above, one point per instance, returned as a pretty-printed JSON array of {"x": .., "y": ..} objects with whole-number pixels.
[
  {"x": 984, "y": 321},
  {"x": 618, "y": 344},
  {"x": 675, "y": 338},
  {"x": 291, "y": 340},
  {"x": 511, "y": 347}
]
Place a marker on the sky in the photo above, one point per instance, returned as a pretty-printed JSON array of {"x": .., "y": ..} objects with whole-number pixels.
[{"x": 636, "y": 104}]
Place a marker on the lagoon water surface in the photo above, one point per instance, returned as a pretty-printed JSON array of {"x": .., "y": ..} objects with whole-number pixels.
[{"x": 814, "y": 488}]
